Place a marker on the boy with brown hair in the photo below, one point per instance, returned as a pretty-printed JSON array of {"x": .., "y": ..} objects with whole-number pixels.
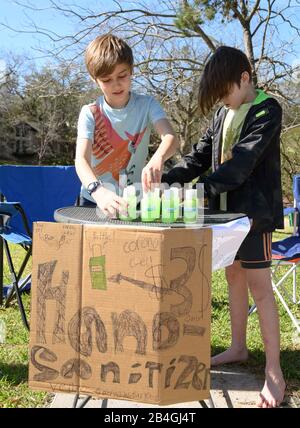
[
  {"x": 242, "y": 146},
  {"x": 114, "y": 132}
]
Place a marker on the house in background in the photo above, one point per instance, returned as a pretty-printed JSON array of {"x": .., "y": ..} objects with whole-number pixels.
[
  {"x": 21, "y": 143},
  {"x": 25, "y": 139}
]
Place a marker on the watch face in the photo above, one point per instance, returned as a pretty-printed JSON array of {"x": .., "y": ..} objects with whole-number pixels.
[{"x": 92, "y": 186}]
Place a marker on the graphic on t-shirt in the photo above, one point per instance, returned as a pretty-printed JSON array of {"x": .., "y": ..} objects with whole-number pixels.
[
  {"x": 112, "y": 150},
  {"x": 135, "y": 140}
]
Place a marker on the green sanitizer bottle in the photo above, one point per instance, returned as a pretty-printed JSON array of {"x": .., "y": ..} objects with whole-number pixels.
[
  {"x": 130, "y": 197},
  {"x": 157, "y": 203},
  {"x": 190, "y": 207},
  {"x": 177, "y": 208},
  {"x": 168, "y": 207},
  {"x": 148, "y": 207}
]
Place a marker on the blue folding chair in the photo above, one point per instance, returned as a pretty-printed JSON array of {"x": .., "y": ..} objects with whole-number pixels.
[
  {"x": 287, "y": 252},
  {"x": 29, "y": 194},
  {"x": 11, "y": 235}
]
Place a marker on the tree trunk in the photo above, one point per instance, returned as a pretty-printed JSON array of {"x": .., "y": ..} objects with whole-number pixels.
[{"x": 249, "y": 50}]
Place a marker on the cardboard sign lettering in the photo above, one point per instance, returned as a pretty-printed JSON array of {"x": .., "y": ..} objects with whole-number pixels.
[{"x": 121, "y": 312}]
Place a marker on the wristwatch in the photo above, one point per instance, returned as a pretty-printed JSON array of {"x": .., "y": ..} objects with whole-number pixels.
[{"x": 93, "y": 186}]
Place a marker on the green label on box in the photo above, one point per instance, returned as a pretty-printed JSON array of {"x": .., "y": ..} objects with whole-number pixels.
[{"x": 97, "y": 272}]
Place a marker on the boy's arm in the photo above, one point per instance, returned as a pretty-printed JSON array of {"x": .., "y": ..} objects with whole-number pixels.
[
  {"x": 194, "y": 163},
  {"x": 167, "y": 148},
  {"x": 108, "y": 201},
  {"x": 82, "y": 161},
  {"x": 246, "y": 153}
]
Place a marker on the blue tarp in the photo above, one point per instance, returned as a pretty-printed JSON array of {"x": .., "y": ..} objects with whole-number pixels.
[{"x": 40, "y": 189}]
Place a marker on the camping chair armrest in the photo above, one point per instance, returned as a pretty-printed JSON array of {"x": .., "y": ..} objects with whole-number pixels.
[
  {"x": 24, "y": 219},
  {"x": 12, "y": 208},
  {"x": 8, "y": 208}
]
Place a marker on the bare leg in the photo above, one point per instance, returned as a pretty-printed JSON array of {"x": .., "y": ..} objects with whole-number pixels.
[
  {"x": 260, "y": 284},
  {"x": 238, "y": 302}
]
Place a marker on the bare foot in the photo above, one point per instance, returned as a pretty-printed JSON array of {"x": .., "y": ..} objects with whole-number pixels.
[
  {"x": 231, "y": 355},
  {"x": 272, "y": 393}
]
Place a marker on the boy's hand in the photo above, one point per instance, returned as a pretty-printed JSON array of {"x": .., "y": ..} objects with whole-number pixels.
[
  {"x": 109, "y": 202},
  {"x": 152, "y": 172}
]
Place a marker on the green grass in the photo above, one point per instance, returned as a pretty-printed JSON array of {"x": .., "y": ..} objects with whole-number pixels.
[
  {"x": 221, "y": 333},
  {"x": 290, "y": 341},
  {"x": 14, "y": 391}
]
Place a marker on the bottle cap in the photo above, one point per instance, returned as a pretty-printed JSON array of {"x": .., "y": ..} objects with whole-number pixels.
[
  {"x": 167, "y": 193},
  {"x": 190, "y": 194},
  {"x": 175, "y": 192},
  {"x": 130, "y": 190}
]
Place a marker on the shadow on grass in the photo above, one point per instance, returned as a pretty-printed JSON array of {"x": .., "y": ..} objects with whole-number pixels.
[
  {"x": 220, "y": 304},
  {"x": 290, "y": 364},
  {"x": 14, "y": 374}
]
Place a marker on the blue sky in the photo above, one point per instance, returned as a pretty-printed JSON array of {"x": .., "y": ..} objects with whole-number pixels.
[{"x": 19, "y": 18}]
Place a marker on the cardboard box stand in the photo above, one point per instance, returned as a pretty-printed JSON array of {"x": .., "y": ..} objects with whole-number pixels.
[{"x": 121, "y": 312}]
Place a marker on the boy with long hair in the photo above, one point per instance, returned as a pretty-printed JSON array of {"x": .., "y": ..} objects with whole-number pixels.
[{"x": 242, "y": 146}]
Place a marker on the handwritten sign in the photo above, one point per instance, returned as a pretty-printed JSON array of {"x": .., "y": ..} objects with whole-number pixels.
[{"x": 121, "y": 312}]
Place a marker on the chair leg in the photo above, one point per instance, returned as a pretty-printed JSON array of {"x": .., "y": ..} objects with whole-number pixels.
[
  {"x": 85, "y": 401},
  {"x": 294, "y": 320},
  {"x": 295, "y": 287},
  {"x": 81, "y": 405},
  {"x": 76, "y": 398},
  {"x": 252, "y": 309},
  {"x": 104, "y": 404},
  {"x": 210, "y": 405},
  {"x": 11, "y": 294},
  {"x": 293, "y": 298},
  {"x": 24, "y": 264},
  {"x": 15, "y": 285}
]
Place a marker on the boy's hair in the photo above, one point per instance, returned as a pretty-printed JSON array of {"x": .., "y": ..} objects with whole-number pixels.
[
  {"x": 104, "y": 53},
  {"x": 223, "y": 69}
]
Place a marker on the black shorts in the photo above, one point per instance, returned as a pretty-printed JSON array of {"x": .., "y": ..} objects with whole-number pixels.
[{"x": 256, "y": 251}]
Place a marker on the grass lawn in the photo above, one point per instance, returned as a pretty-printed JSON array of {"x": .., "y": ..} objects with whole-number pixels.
[{"x": 14, "y": 391}]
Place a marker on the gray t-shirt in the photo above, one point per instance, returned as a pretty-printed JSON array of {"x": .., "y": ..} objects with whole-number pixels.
[{"x": 120, "y": 149}]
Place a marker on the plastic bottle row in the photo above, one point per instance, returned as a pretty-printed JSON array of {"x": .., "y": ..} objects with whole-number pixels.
[{"x": 165, "y": 208}]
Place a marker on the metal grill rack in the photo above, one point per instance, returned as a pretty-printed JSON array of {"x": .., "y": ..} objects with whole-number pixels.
[{"x": 91, "y": 215}]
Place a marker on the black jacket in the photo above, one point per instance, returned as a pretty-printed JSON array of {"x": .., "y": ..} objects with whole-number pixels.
[{"x": 252, "y": 177}]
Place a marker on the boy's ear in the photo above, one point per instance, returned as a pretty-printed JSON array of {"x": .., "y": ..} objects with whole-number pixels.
[{"x": 245, "y": 77}]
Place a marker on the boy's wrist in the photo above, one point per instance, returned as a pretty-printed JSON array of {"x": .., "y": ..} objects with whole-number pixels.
[
  {"x": 159, "y": 156},
  {"x": 99, "y": 191},
  {"x": 98, "y": 194},
  {"x": 93, "y": 186}
]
